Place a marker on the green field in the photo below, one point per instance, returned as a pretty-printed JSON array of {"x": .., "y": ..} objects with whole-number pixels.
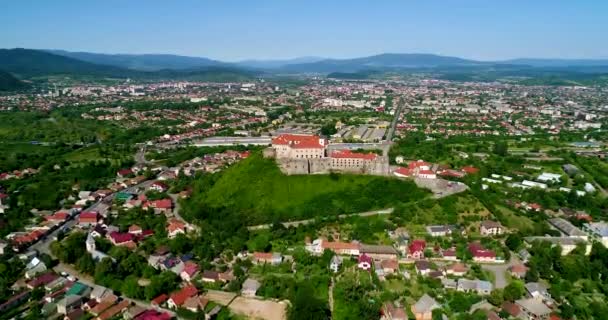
[{"x": 257, "y": 190}]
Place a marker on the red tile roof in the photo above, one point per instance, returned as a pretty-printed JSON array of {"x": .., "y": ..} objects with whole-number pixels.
[
  {"x": 88, "y": 217},
  {"x": 403, "y": 171},
  {"x": 347, "y": 154},
  {"x": 118, "y": 237},
  {"x": 300, "y": 141},
  {"x": 159, "y": 300},
  {"x": 417, "y": 245},
  {"x": 182, "y": 295},
  {"x": 470, "y": 170},
  {"x": 162, "y": 204}
]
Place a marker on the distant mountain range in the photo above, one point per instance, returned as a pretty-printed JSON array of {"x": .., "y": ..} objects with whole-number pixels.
[
  {"x": 28, "y": 63},
  {"x": 142, "y": 62}
]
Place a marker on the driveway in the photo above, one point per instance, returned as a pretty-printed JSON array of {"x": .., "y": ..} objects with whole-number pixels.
[{"x": 500, "y": 271}]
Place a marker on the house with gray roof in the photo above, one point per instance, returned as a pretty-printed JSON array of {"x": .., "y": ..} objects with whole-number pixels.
[
  {"x": 423, "y": 309},
  {"x": 533, "y": 309}
]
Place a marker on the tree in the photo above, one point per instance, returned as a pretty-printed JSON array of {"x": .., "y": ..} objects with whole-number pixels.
[
  {"x": 514, "y": 242},
  {"x": 86, "y": 264},
  {"x": 307, "y": 307},
  {"x": 496, "y": 297},
  {"x": 501, "y": 148},
  {"x": 514, "y": 291}
]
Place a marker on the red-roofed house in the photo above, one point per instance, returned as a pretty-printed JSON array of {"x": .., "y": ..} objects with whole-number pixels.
[
  {"x": 59, "y": 216},
  {"x": 119, "y": 238},
  {"x": 159, "y": 186},
  {"x": 42, "y": 280},
  {"x": 480, "y": 254},
  {"x": 158, "y": 301},
  {"x": 88, "y": 218},
  {"x": 191, "y": 269},
  {"x": 416, "y": 249},
  {"x": 470, "y": 170},
  {"x": 177, "y": 299},
  {"x": 162, "y": 205},
  {"x": 364, "y": 262},
  {"x": 175, "y": 227},
  {"x": 124, "y": 173}
]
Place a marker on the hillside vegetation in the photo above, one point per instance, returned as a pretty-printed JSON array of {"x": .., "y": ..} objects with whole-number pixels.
[
  {"x": 9, "y": 83},
  {"x": 256, "y": 191}
]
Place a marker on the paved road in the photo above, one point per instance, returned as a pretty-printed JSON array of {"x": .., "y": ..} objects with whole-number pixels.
[
  {"x": 500, "y": 271},
  {"x": 307, "y": 221},
  {"x": 176, "y": 210},
  {"x": 391, "y": 130}
]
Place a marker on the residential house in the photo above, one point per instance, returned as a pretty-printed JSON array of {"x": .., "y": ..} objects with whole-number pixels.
[
  {"x": 267, "y": 257},
  {"x": 389, "y": 266},
  {"x": 391, "y": 312},
  {"x": 480, "y": 254},
  {"x": 15, "y": 300},
  {"x": 598, "y": 231},
  {"x": 195, "y": 303},
  {"x": 42, "y": 280},
  {"x": 158, "y": 301},
  {"x": 34, "y": 267},
  {"x": 178, "y": 298},
  {"x": 250, "y": 287},
  {"x": 423, "y": 267},
  {"x": 364, "y": 262},
  {"x": 423, "y": 309},
  {"x": 175, "y": 227},
  {"x": 439, "y": 230},
  {"x": 533, "y": 309},
  {"x": 210, "y": 276},
  {"x": 68, "y": 303},
  {"x": 518, "y": 271},
  {"x": 88, "y": 218},
  {"x": 158, "y": 186},
  {"x": 114, "y": 310},
  {"x": 159, "y": 206},
  {"x": 538, "y": 291},
  {"x": 343, "y": 248},
  {"x": 191, "y": 269},
  {"x": 512, "y": 309},
  {"x": 457, "y": 270},
  {"x": 490, "y": 228},
  {"x": 416, "y": 249},
  {"x": 133, "y": 312},
  {"x": 479, "y": 286},
  {"x": 122, "y": 239},
  {"x": 104, "y": 305},
  {"x": 335, "y": 263},
  {"x": 379, "y": 252},
  {"x": 449, "y": 254}
]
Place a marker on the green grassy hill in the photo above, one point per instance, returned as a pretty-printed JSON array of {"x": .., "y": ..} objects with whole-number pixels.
[{"x": 257, "y": 191}]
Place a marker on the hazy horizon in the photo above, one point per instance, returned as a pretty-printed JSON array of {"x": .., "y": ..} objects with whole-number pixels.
[{"x": 278, "y": 30}]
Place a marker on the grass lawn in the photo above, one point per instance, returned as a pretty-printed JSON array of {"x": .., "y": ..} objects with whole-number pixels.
[
  {"x": 395, "y": 285},
  {"x": 514, "y": 221}
]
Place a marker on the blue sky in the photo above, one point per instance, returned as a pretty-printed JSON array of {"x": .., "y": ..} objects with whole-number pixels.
[{"x": 232, "y": 30}]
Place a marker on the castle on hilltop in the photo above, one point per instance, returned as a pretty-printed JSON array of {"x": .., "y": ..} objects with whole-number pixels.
[{"x": 309, "y": 154}]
